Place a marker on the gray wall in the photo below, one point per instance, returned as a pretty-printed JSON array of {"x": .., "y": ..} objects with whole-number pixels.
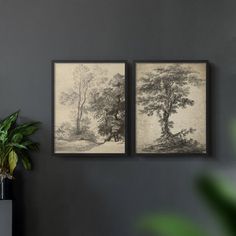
[{"x": 71, "y": 196}]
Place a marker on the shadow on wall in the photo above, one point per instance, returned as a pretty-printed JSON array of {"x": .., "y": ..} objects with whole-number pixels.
[
  {"x": 69, "y": 208},
  {"x": 223, "y": 99},
  {"x": 78, "y": 209}
]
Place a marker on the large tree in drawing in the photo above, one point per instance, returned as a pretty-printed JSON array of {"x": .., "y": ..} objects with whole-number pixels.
[
  {"x": 108, "y": 106},
  {"x": 163, "y": 91},
  {"x": 82, "y": 77}
]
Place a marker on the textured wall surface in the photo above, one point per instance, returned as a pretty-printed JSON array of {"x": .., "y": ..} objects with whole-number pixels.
[{"x": 71, "y": 196}]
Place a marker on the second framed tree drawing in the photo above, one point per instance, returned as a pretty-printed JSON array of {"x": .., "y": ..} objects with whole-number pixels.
[
  {"x": 171, "y": 107},
  {"x": 90, "y": 107}
]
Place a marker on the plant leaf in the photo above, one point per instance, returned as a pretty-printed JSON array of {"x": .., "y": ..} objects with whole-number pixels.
[
  {"x": 27, "y": 129},
  {"x": 33, "y": 146},
  {"x": 17, "y": 145},
  {"x": 3, "y": 136},
  {"x": 17, "y": 138},
  {"x": 12, "y": 161},
  {"x": 170, "y": 225},
  {"x": 221, "y": 196},
  {"x": 6, "y": 124},
  {"x": 26, "y": 162}
]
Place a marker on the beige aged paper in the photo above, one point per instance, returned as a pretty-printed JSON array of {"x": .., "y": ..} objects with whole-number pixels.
[
  {"x": 68, "y": 80},
  {"x": 148, "y": 128}
]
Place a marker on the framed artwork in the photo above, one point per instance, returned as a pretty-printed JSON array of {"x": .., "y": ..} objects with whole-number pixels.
[
  {"x": 171, "y": 107},
  {"x": 90, "y": 108}
]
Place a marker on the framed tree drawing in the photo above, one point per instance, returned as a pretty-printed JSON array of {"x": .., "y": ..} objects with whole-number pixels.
[
  {"x": 90, "y": 108},
  {"x": 171, "y": 107}
]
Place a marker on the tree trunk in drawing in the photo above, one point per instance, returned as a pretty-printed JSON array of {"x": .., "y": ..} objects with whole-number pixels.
[
  {"x": 162, "y": 92},
  {"x": 165, "y": 124},
  {"x": 82, "y": 77},
  {"x": 81, "y": 102},
  {"x": 78, "y": 119},
  {"x": 78, "y": 125}
]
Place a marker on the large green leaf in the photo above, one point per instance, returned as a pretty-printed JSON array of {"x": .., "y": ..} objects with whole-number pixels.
[
  {"x": 170, "y": 225},
  {"x": 26, "y": 162},
  {"x": 3, "y": 136},
  {"x": 6, "y": 124},
  {"x": 17, "y": 138},
  {"x": 27, "y": 129},
  {"x": 17, "y": 145},
  {"x": 33, "y": 146},
  {"x": 221, "y": 196},
  {"x": 12, "y": 161}
]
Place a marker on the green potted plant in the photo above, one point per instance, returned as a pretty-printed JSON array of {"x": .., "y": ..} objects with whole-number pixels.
[
  {"x": 15, "y": 146},
  {"x": 220, "y": 196}
]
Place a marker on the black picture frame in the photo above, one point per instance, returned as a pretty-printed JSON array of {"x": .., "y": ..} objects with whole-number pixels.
[
  {"x": 208, "y": 112},
  {"x": 127, "y": 112}
]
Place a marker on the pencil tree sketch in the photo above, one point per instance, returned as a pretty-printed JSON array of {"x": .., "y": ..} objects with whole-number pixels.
[
  {"x": 77, "y": 95},
  {"x": 163, "y": 92},
  {"x": 108, "y": 106},
  {"x": 90, "y": 108}
]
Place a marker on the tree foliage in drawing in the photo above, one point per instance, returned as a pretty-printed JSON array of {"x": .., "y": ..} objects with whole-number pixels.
[
  {"x": 97, "y": 102},
  {"x": 163, "y": 91},
  {"x": 108, "y": 106}
]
